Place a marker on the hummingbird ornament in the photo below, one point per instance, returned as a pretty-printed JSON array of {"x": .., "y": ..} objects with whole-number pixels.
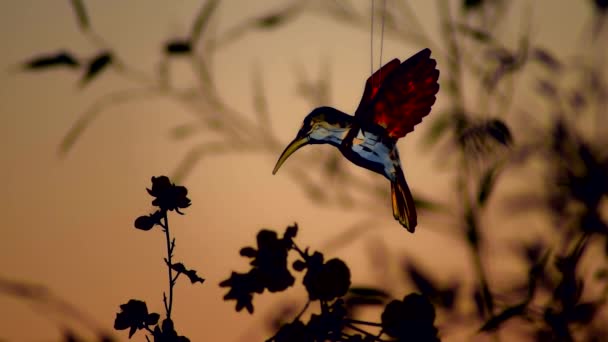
[{"x": 395, "y": 99}]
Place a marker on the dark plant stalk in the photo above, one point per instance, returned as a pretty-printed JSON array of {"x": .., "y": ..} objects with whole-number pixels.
[
  {"x": 170, "y": 245},
  {"x": 356, "y": 321},
  {"x": 453, "y": 51},
  {"x": 488, "y": 299},
  {"x": 357, "y": 329},
  {"x": 455, "y": 80},
  {"x": 473, "y": 235}
]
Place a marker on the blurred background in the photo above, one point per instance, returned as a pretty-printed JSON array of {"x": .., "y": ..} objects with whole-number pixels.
[{"x": 78, "y": 151}]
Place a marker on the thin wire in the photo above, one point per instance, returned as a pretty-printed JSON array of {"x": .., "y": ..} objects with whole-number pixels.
[
  {"x": 382, "y": 34},
  {"x": 371, "y": 43}
]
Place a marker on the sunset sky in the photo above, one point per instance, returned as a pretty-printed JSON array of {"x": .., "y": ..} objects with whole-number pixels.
[{"x": 68, "y": 221}]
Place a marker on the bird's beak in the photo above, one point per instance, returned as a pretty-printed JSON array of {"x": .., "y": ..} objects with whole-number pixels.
[{"x": 298, "y": 142}]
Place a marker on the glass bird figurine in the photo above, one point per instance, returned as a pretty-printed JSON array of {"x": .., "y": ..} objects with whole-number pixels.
[{"x": 395, "y": 99}]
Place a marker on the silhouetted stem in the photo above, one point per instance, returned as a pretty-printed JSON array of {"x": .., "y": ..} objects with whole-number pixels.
[
  {"x": 355, "y": 321},
  {"x": 351, "y": 326},
  {"x": 455, "y": 77},
  {"x": 473, "y": 235},
  {"x": 453, "y": 52},
  {"x": 169, "y": 305},
  {"x": 149, "y": 330},
  {"x": 297, "y": 249},
  {"x": 483, "y": 282},
  {"x": 302, "y": 311}
]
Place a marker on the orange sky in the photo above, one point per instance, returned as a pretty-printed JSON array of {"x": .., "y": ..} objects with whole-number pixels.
[{"x": 67, "y": 223}]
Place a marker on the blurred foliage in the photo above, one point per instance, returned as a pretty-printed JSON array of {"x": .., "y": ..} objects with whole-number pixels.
[{"x": 481, "y": 137}]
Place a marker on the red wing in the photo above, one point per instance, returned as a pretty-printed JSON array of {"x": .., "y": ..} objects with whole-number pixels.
[
  {"x": 374, "y": 82},
  {"x": 406, "y": 96}
]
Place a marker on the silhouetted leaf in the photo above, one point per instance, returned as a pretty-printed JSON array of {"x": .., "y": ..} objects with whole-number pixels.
[
  {"x": 167, "y": 333},
  {"x": 74, "y": 133},
  {"x": 81, "y": 14},
  {"x": 242, "y": 287},
  {"x": 479, "y": 136},
  {"x": 147, "y": 222},
  {"x": 134, "y": 316},
  {"x": 96, "y": 66},
  {"x": 508, "y": 313},
  {"x": 503, "y": 56},
  {"x": 192, "y": 157},
  {"x": 577, "y": 100},
  {"x": 583, "y": 312},
  {"x": 570, "y": 288},
  {"x": 532, "y": 251},
  {"x": 475, "y": 33},
  {"x": 260, "y": 101},
  {"x": 486, "y": 184},
  {"x": 59, "y": 59},
  {"x": 277, "y": 18},
  {"x": 536, "y": 273},
  {"x": 500, "y": 132},
  {"x": 272, "y": 20},
  {"x": 427, "y": 204},
  {"x": 547, "y": 59},
  {"x": 178, "y": 47},
  {"x": 191, "y": 274},
  {"x": 439, "y": 126},
  {"x": 202, "y": 20},
  {"x": 152, "y": 318},
  {"x": 184, "y": 131},
  {"x": 248, "y": 252},
  {"x": 411, "y": 319},
  {"x": 558, "y": 323},
  {"x": 115, "y": 98},
  {"x": 331, "y": 167},
  {"x": 299, "y": 265},
  {"x": 447, "y": 296},
  {"x": 601, "y": 274},
  {"x": 70, "y": 336},
  {"x": 547, "y": 89},
  {"x": 105, "y": 338},
  {"x": 472, "y": 4},
  {"x": 326, "y": 281},
  {"x": 422, "y": 282},
  {"x": 290, "y": 233},
  {"x": 508, "y": 63},
  {"x": 478, "y": 300},
  {"x": 294, "y": 331},
  {"x": 313, "y": 190},
  {"x": 601, "y": 5},
  {"x": 471, "y": 228}
]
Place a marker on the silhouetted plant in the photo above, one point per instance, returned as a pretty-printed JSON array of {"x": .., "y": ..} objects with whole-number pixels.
[
  {"x": 134, "y": 314},
  {"x": 326, "y": 282}
]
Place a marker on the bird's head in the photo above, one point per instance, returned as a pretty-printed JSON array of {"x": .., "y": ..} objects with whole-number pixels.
[{"x": 322, "y": 125}]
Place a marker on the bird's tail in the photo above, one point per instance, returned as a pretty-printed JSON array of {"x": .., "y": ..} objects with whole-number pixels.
[{"x": 404, "y": 210}]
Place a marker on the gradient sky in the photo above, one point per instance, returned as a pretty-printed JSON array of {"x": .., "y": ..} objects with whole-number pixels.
[{"x": 67, "y": 223}]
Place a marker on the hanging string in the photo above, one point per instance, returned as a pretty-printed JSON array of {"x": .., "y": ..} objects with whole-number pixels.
[
  {"x": 371, "y": 43},
  {"x": 382, "y": 34}
]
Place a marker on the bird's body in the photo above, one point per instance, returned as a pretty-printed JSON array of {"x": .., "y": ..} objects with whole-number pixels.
[
  {"x": 368, "y": 146},
  {"x": 395, "y": 99}
]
